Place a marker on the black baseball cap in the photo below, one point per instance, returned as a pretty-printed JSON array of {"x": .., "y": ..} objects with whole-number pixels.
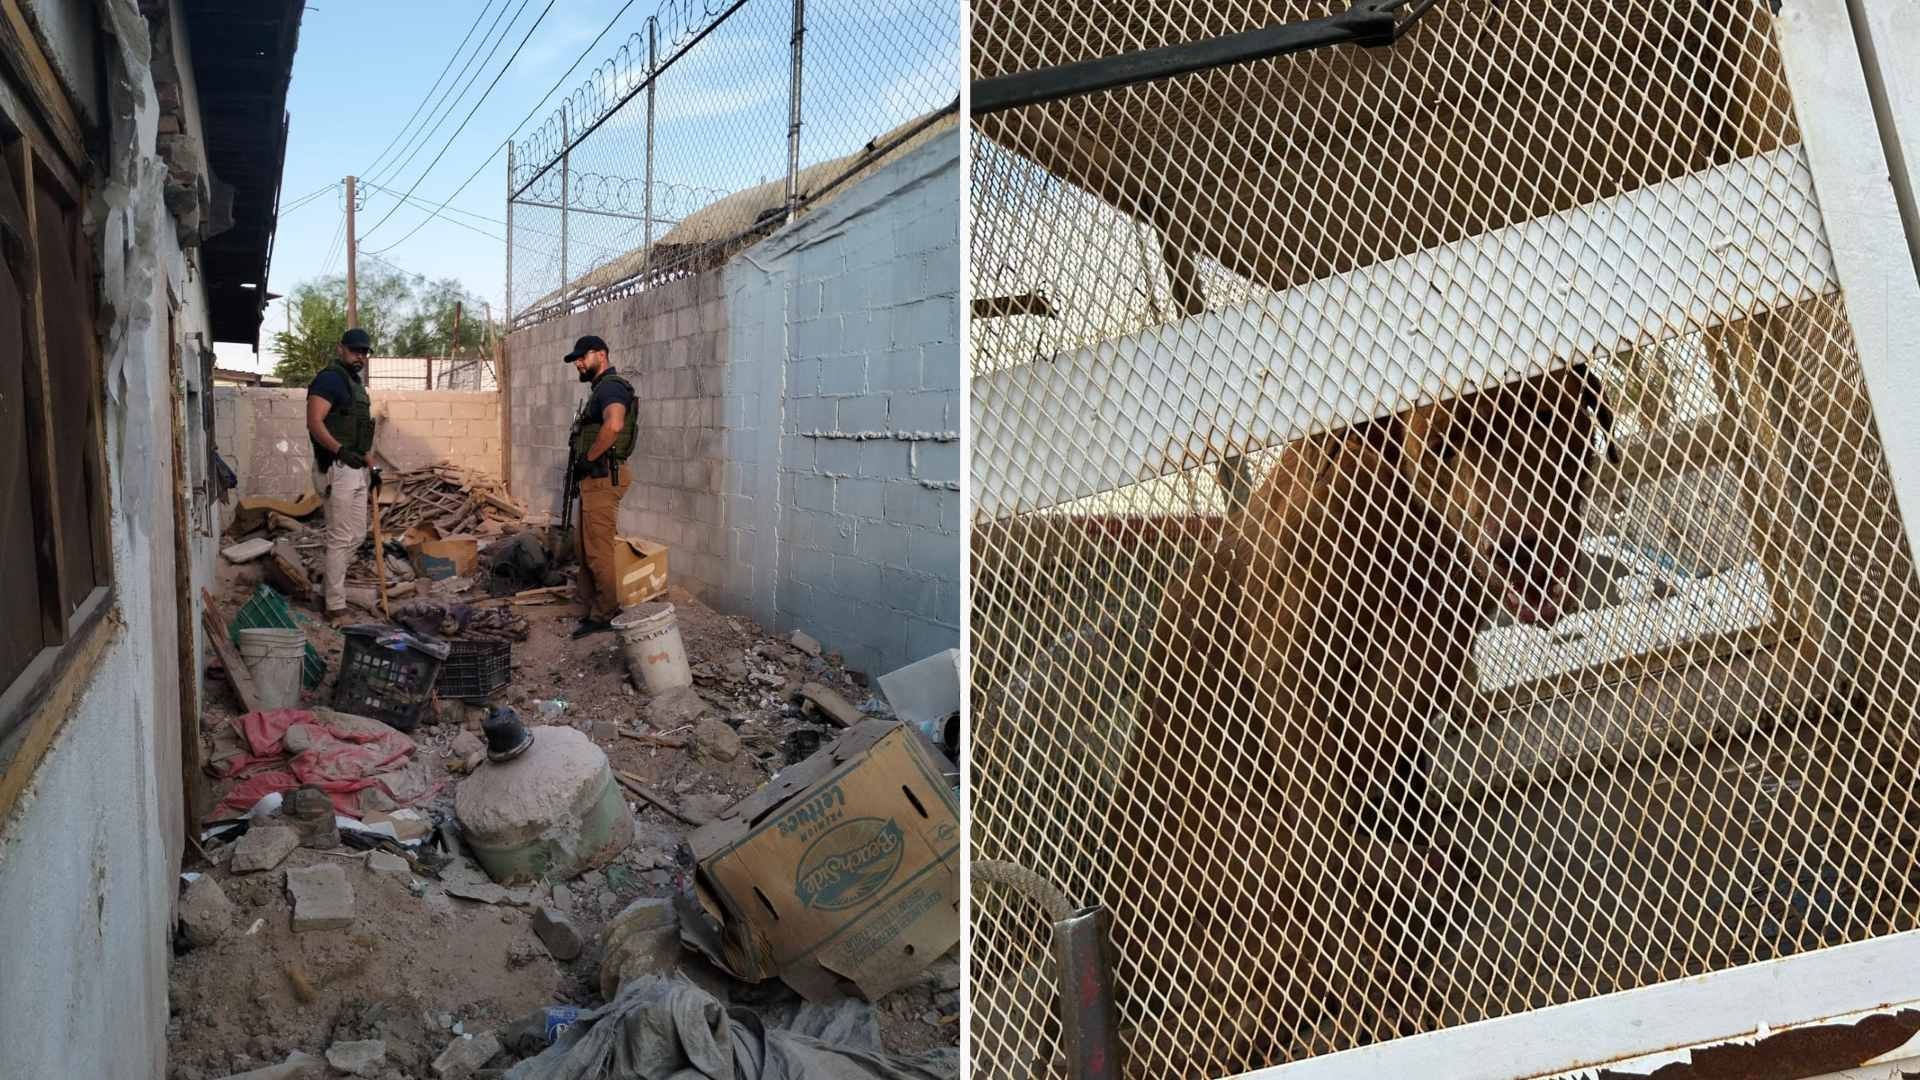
[
  {"x": 357, "y": 338},
  {"x": 584, "y": 346}
]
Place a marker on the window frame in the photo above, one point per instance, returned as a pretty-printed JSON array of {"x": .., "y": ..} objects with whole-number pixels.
[{"x": 40, "y": 136}]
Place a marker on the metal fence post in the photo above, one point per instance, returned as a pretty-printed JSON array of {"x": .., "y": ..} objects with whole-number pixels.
[
  {"x": 566, "y": 189},
  {"x": 793, "y": 112},
  {"x": 653, "y": 72},
  {"x": 509, "y": 312}
]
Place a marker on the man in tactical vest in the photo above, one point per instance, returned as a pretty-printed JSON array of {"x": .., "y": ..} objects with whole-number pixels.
[
  {"x": 340, "y": 425},
  {"x": 601, "y": 440}
]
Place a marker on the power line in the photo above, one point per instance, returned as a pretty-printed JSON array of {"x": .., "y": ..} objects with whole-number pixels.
[
  {"x": 531, "y": 113},
  {"x": 306, "y": 200},
  {"x": 469, "y": 117},
  {"x": 428, "y": 203},
  {"x": 424, "y": 98},
  {"x": 423, "y": 137}
]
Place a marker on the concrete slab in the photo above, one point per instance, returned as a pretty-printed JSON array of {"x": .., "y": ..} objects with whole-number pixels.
[{"x": 322, "y": 897}]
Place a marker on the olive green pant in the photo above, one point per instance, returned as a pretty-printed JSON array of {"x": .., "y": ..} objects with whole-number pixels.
[{"x": 599, "y": 513}]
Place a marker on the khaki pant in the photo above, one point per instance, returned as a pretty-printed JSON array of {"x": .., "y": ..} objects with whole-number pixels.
[
  {"x": 599, "y": 511},
  {"x": 346, "y": 491}
]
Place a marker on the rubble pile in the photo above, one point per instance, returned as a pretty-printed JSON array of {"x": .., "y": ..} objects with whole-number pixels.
[{"x": 387, "y": 904}]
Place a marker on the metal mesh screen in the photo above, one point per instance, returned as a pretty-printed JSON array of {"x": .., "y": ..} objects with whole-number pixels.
[
  {"x": 711, "y": 124},
  {"x": 1432, "y": 555}
]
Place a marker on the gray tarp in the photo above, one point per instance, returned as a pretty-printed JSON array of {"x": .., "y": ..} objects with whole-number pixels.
[{"x": 660, "y": 1029}]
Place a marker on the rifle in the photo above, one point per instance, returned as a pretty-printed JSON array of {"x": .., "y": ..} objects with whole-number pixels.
[{"x": 569, "y": 494}]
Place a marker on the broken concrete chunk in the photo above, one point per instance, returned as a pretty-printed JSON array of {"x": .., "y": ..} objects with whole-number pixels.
[
  {"x": 299, "y": 1065},
  {"x": 644, "y": 939},
  {"x": 713, "y": 740},
  {"x": 677, "y": 708},
  {"x": 310, "y": 811},
  {"x": 386, "y": 862},
  {"x": 264, "y": 847},
  {"x": 406, "y": 824},
  {"x": 479, "y": 892},
  {"x": 701, "y": 809},
  {"x": 606, "y": 730},
  {"x": 249, "y": 550},
  {"x": 322, "y": 897},
  {"x": 206, "y": 915},
  {"x": 465, "y": 743},
  {"x": 362, "y": 1058},
  {"x": 557, "y": 933},
  {"x": 838, "y": 708},
  {"x": 805, "y": 644},
  {"x": 465, "y": 1054}
]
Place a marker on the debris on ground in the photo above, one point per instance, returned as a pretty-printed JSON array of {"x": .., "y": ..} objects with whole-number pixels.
[
  {"x": 436, "y": 957},
  {"x": 206, "y": 915},
  {"x": 322, "y": 897},
  {"x": 670, "y": 1027}
]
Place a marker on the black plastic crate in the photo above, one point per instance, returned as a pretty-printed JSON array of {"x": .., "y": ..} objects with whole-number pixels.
[
  {"x": 475, "y": 669},
  {"x": 388, "y": 674}
]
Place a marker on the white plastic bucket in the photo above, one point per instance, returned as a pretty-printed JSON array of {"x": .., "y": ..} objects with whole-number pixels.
[
  {"x": 651, "y": 641},
  {"x": 275, "y": 658}
]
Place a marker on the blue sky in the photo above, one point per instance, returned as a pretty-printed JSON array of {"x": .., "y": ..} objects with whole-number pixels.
[{"x": 362, "y": 69}]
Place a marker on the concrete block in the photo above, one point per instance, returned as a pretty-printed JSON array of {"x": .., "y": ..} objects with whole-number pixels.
[
  {"x": 299, "y": 1065},
  {"x": 818, "y": 337},
  {"x": 803, "y": 378},
  {"x": 925, "y": 411},
  {"x": 861, "y": 498},
  {"x": 926, "y": 637},
  {"x": 791, "y": 597},
  {"x": 843, "y": 375},
  {"x": 434, "y": 410},
  {"x": 813, "y": 493},
  {"x": 465, "y": 1054},
  {"x": 322, "y": 897},
  {"x": 939, "y": 462},
  {"x": 896, "y": 369},
  {"x": 206, "y": 915},
  {"x": 814, "y": 414},
  {"x": 924, "y": 322},
  {"x": 915, "y": 593},
  {"x": 399, "y": 409},
  {"x": 263, "y": 848},
  {"x": 837, "y": 457},
  {"x": 864, "y": 414},
  {"x": 885, "y": 459},
  {"x": 812, "y": 568},
  {"x": 856, "y": 577},
  {"x": 935, "y": 553},
  {"x": 364, "y": 1057},
  {"x": 912, "y": 504},
  {"x": 940, "y": 367},
  {"x": 883, "y": 542}
]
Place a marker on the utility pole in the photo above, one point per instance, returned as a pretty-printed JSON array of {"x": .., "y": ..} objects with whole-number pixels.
[{"x": 353, "y": 261}]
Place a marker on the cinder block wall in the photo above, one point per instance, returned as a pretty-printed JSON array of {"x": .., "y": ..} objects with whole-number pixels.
[
  {"x": 261, "y": 432},
  {"x": 869, "y": 458},
  {"x": 799, "y": 413},
  {"x": 671, "y": 343}
]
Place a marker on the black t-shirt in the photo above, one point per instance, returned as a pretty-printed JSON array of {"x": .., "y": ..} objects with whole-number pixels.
[
  {"x": 332, "y": 386},
  {"x": 608, "y": 392}
]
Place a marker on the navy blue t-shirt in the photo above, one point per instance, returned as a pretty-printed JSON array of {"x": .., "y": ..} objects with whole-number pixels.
[
  {"x": 331, "y": 385},
  {"x": 608, "y": 392}
]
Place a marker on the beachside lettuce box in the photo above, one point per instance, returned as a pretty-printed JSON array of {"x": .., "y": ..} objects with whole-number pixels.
[{"x": 845, "y": 867}]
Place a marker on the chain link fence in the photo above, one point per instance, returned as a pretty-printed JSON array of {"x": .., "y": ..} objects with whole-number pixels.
[
  {"x": 1433, "y": 557},
  {"x": 707, "y": 129}
]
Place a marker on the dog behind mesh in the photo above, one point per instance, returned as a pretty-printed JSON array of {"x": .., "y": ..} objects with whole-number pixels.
[{"x": 1286, "y": 887}]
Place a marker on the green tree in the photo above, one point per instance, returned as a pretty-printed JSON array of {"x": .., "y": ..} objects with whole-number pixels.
[{"x": 404, "y": 314}]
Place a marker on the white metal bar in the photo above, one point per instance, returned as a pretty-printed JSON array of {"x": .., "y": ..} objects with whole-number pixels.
[
  {"x": 1649, "y": 263},
  {"x": 1789, "y": 991},
  {"x": 1888, "y": 33},
  {"x": 1821, "y": 59}
]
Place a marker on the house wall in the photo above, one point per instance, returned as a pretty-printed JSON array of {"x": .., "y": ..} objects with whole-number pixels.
[
  {"x": 90, "y": 852},
  {"x": 261, "y": 433},
  {"x": 798, "y": 446}
]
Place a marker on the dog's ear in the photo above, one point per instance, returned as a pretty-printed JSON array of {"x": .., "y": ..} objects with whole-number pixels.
[{"x": 1593, "y": 395}]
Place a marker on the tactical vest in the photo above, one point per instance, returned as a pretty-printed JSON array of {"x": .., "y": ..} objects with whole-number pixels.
[
  {"x": 352, "y": 425},
  {"x": 586, "y": 428}
]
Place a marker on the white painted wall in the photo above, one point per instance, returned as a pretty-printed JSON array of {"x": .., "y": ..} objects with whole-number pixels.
[{"x": 90, "y": 855}]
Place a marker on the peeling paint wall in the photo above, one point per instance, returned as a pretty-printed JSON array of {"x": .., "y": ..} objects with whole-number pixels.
[{"x": 89, "y": 856}]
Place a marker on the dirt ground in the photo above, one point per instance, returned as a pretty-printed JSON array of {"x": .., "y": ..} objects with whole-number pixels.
[{"x": 418, "y": 967}]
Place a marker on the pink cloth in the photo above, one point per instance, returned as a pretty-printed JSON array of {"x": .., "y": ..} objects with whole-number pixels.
[{"x": 339, "y": 753}]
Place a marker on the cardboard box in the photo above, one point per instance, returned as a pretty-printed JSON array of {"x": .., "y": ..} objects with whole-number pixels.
[
  {"x": 845, "y": 866},
  {"x": 640, "y": 567},
  {"x": 438, "y": 560}
]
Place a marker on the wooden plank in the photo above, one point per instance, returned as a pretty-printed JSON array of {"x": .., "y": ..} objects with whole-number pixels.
[
  {"x": 21, "y": 51},
  {"x": 237, "y": 672},
  {"x": 72, "y": 670},
  {"x": 196, "y": 790},
  {"x": 632, "y": 783},
  {"x": 50, "y": 554}
]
